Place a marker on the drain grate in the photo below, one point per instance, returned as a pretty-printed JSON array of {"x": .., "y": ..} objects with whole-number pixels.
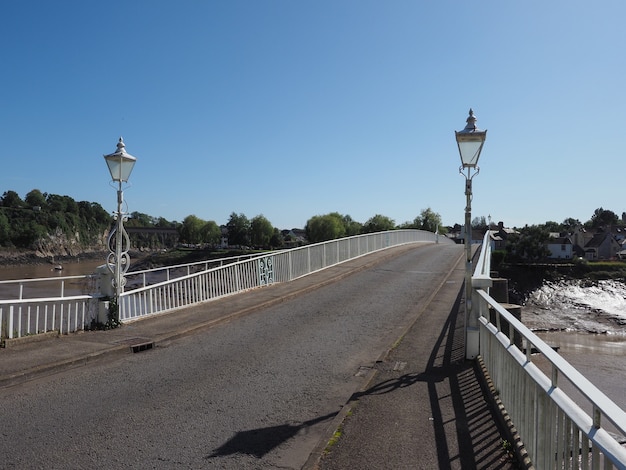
[
  {"x": 142, "y": 346},
  {"x": 137, "y": 344}
]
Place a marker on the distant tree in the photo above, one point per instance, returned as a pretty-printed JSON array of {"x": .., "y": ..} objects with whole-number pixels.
[
  {"x": 277, "y": 239},
  {"x": 551, "y": 226},
  {"x": 352, "y": 227},
  {"x": 191, "y": 230},
  {"x": 602, "y": 218},
  {"x": 321, "y": 228},
  {"x": 5, "y": 230},
  {"x": 138, "y": 219},
  {"x": 164, "y": 223},
  {"x": 57, "y": 203},
  {"x": 211, "y": 233},
  {"x": 35, "y": 198},
  {"x": 529, "y": 243},
  {"x": 570, "y": 224},
  {"x": 479, "y": 223},
  {"x": 238, "y": 227},
  {"x": 12, "y": 199},
  {"x": 430, "y": 221},
  {"x": 410, "y": 225},
  {"x": 261, "y": 231},
  {"x": 378, "y": 223}
]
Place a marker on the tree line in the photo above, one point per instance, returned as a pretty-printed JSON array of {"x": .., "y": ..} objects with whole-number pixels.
[
  {"x": 259, "y": 232},
  {"x": 23, "y": 222},
  {"x": 529, "y": 242}
]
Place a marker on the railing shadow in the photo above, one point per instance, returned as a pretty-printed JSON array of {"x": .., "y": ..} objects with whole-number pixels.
[
  {"x": 261, "y": 441},
  {"x": 474, "y": 441},
  {"x": 477, "y": 441}
]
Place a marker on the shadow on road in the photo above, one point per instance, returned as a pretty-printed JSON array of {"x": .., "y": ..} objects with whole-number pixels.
[
  {"x": 463, "y": 420},
  {"x": 259, "y": 442}
]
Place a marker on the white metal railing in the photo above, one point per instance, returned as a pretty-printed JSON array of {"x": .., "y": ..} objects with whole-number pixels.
[
  {"x": 63, "y": 285},
  {"x": 556, "y": 431},
  {"x": 145, "y": 277},
  {"x": 196, "y": 282},
  {"x": 63, "y": 304},
  {"x": 265, "y": 269},
  {"x": 40, "y": 315}
]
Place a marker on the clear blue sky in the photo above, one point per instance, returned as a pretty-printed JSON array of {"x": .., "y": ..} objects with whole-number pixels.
[{"x": 292, "y": 109}]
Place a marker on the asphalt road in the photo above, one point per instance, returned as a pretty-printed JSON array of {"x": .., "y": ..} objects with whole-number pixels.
[{"x": 255, "y": 393}]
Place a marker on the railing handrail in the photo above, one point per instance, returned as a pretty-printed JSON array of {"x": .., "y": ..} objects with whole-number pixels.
[
  {"x": 47, "y": 279},
  {"x": 609, "y": 409},
  {"x": 32, "y": 300},
  {"x": 542, "y": 440},
  {"x": 194, "y": 263},
  {"x": 262, "y": 269},
  {"x": 250, "y": 257}
]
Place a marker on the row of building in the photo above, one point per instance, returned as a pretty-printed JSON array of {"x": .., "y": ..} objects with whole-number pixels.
[{"x": 603, "y": 244}]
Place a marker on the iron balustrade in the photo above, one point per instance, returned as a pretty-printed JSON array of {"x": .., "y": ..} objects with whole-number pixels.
[
  {"x": 27, "y": 317},
  {"x": 184, "y": 284},
  {"x": 31, "y": 315},
  {"x": 240, "y": 276},
  {"x": 556, "y": 430}
]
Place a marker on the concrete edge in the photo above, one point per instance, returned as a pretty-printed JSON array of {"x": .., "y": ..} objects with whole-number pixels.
[
  {"x": 54, "y": 367},
  {"x": 336, "y": 424},
  {"x": 504, "y": 419},
  {"x": 12, "y": 342}
]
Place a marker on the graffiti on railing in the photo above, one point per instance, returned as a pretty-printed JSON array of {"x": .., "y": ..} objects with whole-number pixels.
[{"x": 266, "y": 270}]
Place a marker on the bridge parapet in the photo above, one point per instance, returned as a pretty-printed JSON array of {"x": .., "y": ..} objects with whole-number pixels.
[{"x": 555, "y": 430}]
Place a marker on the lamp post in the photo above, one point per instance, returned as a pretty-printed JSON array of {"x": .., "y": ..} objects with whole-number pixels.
[
  {"x": 470, "y": 142},
  {"x": 120, "y": 166}
]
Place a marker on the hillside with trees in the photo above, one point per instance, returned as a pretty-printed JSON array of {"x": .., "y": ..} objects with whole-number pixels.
[
  {"x": 54, "y": 225},
  {"x": 42, "y": 220}
]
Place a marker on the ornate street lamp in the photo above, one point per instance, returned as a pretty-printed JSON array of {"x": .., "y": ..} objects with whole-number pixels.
[
  {"x": 470, "y": 141},
  {"x": 120, "y": 166}
]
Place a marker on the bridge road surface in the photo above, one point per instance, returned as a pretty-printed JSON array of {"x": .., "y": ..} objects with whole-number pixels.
[{"x": 260, "y": 391}]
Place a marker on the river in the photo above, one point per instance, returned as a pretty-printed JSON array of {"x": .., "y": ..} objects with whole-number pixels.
[
  {"x": 51, "y": 288},
  {"x": 587, "y": 322}
]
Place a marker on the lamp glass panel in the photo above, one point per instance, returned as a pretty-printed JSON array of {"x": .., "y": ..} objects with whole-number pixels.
[
  {"x": 470, "y": 151},
  {"x": 120, "y": 168}
]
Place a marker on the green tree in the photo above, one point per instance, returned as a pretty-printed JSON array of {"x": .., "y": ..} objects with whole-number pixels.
[
  {"x": 530, "y": 243},
  {"x": 35, "y": 198},
  {"x": 5, "y": 229},
  {"x": 378, "y": 223},
  {"x": 191, "y": 230},
  {"x": 138, "y": 219},
  {"x": 238, "y": 227},
  {"x": 277, "y": 239},
  {"x": 570, "y": 224},
  {"x": 552, "y": 226},
  {"x": 352, "y": 227},
  {"x": 12, "y": 199},
  {"x": 261, "y": 231},
  {"x": 321, "y": 228},
  {"x": 429, "y": 220},
  {"x": 602, "y": 218},
  {"x": 211, "y": 233},
  {"x": 479, "y": 223}
]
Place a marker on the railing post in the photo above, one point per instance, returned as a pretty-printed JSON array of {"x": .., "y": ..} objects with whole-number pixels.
[
  {"x": 477, "y": 307},
  {"x": 10, "y": 332}
]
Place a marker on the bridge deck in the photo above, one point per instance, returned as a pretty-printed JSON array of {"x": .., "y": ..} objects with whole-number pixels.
[{"x": 423, "y": 406}]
